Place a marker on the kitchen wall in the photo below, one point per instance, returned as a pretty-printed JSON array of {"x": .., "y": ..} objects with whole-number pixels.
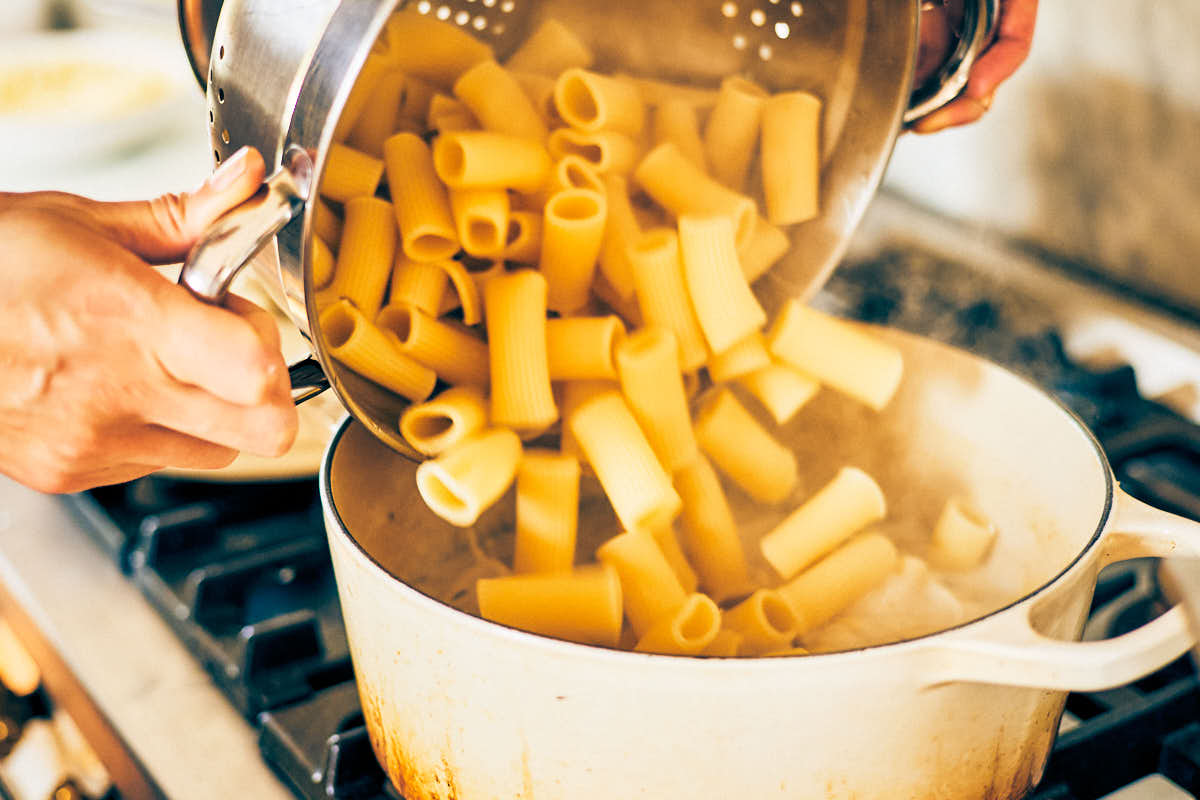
[{"x": 1092, "y": 151}]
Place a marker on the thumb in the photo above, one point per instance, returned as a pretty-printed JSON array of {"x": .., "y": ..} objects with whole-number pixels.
[{"x": 164, "y": 229}]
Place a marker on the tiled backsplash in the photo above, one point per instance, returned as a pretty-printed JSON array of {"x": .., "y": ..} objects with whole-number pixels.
[{"x": 1092, "y": 151}]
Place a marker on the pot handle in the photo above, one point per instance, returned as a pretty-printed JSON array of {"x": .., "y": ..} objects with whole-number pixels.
[
  {"x": 229, "y": 244},
  {"x": 979, "y": 23},
  {"x": 1014, "y": 654}
]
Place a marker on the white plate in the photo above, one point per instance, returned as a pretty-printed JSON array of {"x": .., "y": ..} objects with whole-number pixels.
[{"x": 72, "y": 96}]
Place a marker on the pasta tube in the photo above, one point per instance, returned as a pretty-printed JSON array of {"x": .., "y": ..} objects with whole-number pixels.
[
  {"x": 419, "y": 284},
  {"x": 744, "y": 450},
  {"x": 488, "y": 160},
  {"x": 581, "y": 348},
  {"x": 574, "y": 172},
  {"x": 349, "y": 173},
  {"x": 455, "y": 354},
  {"x": 725, "y": 644},
  {"x": 686, "y": 632},
  {"x": 649, "y": 587},
  {"x": 710, "y": 535},
  {"x": 791, "y": 157},
  {"x": 438, "y": 424},
  {"x": 365, "y": 258},
  {"x": 572, "y": 232},
  {"x": 637, "y": 487},
  {"x": 499, "y": 102},
  {"x": 762, "y": 249},
  {"x": 590, "y": 101},
  {"x": 352, "y": 340},
  {"x": 427, "y": 230},
  {"x": 765, "y": 620},
  {"x": 547, "y": 512},
  {"x": 782, "y": 390},
  {"x": 520, "y": 375},
  {"x": 327, "y": 224},
  {"x": 620, "y": 233},
  {"x": 481, "y": 217},
  {"x": 378, "y": 119},
  {"x": 746, "y": 356},
  {"x": 373, "y": 69},
  {"x": 681, "y": 188},
  {"x": 465, "y": 288},
  {"x": 826, "y": 588},
  {"x": 580, "y": 606},
  {"x": 447, "y": 114},
  {"x": 481, "y": 274},
  {"x": 841, "y": 508},
  {"x": 540, "y": 91},
  {"x": 551, "y": 49},
  {"x": 727, "y": 310},
  {"x": 675, "y": 121},
  {"x": 418, "y": 96},
  {"x": 605, "y": 151},
  {"x": 470, "y": 476},
  {"x": 430, "y": 49},
  {"x": 731, "y": 135},
  {"x": 648, "y": 363},
  {"x": 836, "y": 353},
  {"x": 322, "y": 263},
  {"x": 523, "y": 242},
  {"x": 961, "y": 537},
  {"x": 575, "y": 394},
  {"x": 669, "y": 544},
  {"x": 662, "y": 294}
]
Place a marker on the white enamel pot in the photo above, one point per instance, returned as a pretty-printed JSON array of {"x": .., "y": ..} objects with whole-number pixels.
[{"x": 458, "y": 707}]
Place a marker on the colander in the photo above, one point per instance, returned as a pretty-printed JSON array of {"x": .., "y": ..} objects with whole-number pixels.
[{"x": 278, "y": 74}]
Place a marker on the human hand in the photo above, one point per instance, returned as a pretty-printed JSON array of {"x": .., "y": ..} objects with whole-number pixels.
[
  {"x": 1013, "y": 38},
  {"x": 109, "y": 371}
]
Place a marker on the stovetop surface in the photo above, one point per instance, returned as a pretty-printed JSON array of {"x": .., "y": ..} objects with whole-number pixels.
[{"x": 242, "y": 574}]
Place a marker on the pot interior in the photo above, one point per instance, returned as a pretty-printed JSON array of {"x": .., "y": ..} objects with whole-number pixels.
[{"x": 959, "y": 426}]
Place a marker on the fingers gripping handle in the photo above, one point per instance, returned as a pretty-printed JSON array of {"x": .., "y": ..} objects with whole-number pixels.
[
  {"x": 979, "y": 23},
  {"x": 229, "y": 244},
  {"x": 1012, "y": 653}
]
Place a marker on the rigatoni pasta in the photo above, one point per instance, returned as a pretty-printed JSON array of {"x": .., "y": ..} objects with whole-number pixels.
[
  {"x": 710, "y": 534},
  {"x": 648, "y": 365},
  {"x": 499, "y": 103},
  {"x": 744, "y": 450},
  {"x": 827, "y": 587},
  {"x": 367, "y": 350},
  {"x": 662, "y": 294},
  {"x": 457, "y": 355},
  {"x": 572, "y": 232},
  {"x": 468, "y": 477},
  {"x": 590, "y": 101},
  {"x": 422, "y": 206},
  {"x": 365, "y": 258},
  {"x": 419, "y": 284},
  {"x": 781, "y": 389},
  {"x": 583, "y": 605},
  {"x": 605, "y": 151},
  {"x": 731, "y": 134},
  {"x": 649, "y": 588},
  {"x": 350, "y": 173},
  {"x": 791, "y": 157},
  {"x": 681, "y": 188},
  {"x": 438, "y": 424},
  {"x": 481, "y": 219},
  {"x": 675, "y": 121},
  {"x": 725, "y": 307},
  {"x": 547, "y": 512},
  {"x": 520, "y": 373},
  {"x": 765, "y": 621},
  {"x": 582, "y": 348},
  {"x": 488, "y": 160},
  {"x": 550, "y": 50},
  {"x": 686, "y": 632}
]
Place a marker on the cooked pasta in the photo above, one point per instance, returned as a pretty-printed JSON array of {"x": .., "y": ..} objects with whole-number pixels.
[
  {"x": 572, "y": 232},
  {"x": 427, "y": 231},
  {"x": 725, "y": 307},
  {"x": 520, "y": 376},
  {"x": 791, "y": 157},
  {"x": 429, "y": 49},
  {"x": 378, "y": 119},
  {"x": 650, "y": 590},
  {"x": 669, "y": 544},
  {"x": 746, "y": 356},
  {"x": 837, "y": 353},
  {"x": 621, "y": 231},
  {"x": 418, "y": 96},
  {"x": 467, "y": 478},
  {"x": 686, "y": 632},
  {"x": 765, "y": 620},
  {"x": 841, "y": 508},
  {"x": 419, "y": 284},
  {"x": 638, "y": 488},
  {"x": 454, "y": 353},
  {"x": 710, "y": 534},
  {"x": 327, "y": 225},
  {"x": 725, "y": 644},
  {"x": 781, "y": 389},
  {"x": 373, "y": 69},
  {"x": 547, "y": 512},
  {"x": 762, "y": 249},
  {"x": 322, "y": 263},
  {"x": 435, "y": 425},
  {"x": 681, "y": 188},
  {"x": 481, "y": 218},
  {"x": 590, "y": 101},
  {"x": 523, "y": 240},
  {"x": 583, "y": 605},
  {"x": 606, "y": 151},
  {"x": 551, "y": 49},
  {"x": 582, "y": 348},
  {"x": 819, "y": 593},
  {"x": 961, "y": 537},
  {"x": 648, "y": 365},
  {"x": 540, "y": 91},
  {"x": 489, "y": 160},
  {"x": 349, "y": 173},
  {"x": 573, "y": 395},
  {"x": 446, "y": 114},
  {"x": 365, "y": 258},
  {"x": 483, "y": 271},
  {"x": 465, "y": 288},
  {"x": 662, "y": 294},
  {"x": 574, "y": 172},
  {"x": 744, "y": 450},
  {"x": 498, "y": 101},
  {"x": 731, "y": 134},
  {"x": 675, "y": 121},
  {"x": 352, "y": 340}
]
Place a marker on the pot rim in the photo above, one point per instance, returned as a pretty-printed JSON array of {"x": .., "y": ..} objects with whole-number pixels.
[{"x": 525, "y": 638}]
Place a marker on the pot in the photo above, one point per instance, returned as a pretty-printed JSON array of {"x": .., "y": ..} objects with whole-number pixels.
[
  {"x": 277, "y": 77},
  {"x": 458, "y": 707}
]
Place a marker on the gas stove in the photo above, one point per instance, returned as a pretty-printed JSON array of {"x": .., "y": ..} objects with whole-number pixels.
[{"x": 242, "y": 576}]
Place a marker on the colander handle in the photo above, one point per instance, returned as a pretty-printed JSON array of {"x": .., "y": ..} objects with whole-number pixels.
[
  {"x": 947, "y": 83},
  {"x": 234, "y": 239}
]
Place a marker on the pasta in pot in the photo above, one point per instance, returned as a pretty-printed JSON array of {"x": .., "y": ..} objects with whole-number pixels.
[{"x": 550, "y": 251}]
